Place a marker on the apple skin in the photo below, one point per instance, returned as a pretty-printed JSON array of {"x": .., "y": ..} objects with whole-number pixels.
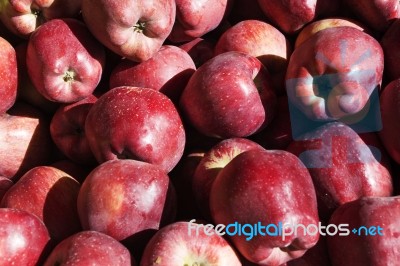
[
  {"x": 229, "y": 96},
  {"x": 372, "y": 249},
  {"x": 211, "y": 164},
  {"x": 252, "y": 179},
  {"x": 261, "y": 40},
  {"x": 389, "y": 111},
  {"x": 390, "y": 43},
  {"x": 25, "y": 140},
  {"x": 76, "y": 76},
  {"x": 22, "y": 17},
  {"x": 172, "y": 245},
  {"x": 136, "y": 123},
  {"x": 377, "y": 14},
  {"x": 23, "y": 238},
  {"x": 67, "y": 129},
  {"x": 130, "y": 205},
  {"x": 8, "y": 75},
  {"x": 168, "y": 71},
  {"x": 333, "y": 73},
  {"x": 195, "y": 19},
  {"x": 316, "y": 26},
  {"x": 90, "y": 248},
  {"x": 133, "y": 29},
  {"x": 200, "y": 50},
  {"x": 51, "y": 195},
  {"x": 342, "y": 166}
]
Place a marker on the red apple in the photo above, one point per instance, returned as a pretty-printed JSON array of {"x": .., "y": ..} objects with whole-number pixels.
[
  {"x": 260, "y": 187},
  {"x": 67, "y": 129},
  {"x": 261, "y": 40},
  {"x": 333, "y": 74},
  {"x": 378, "y": 14},
  {"x": 51, "y": 195},
  {"x": 168, "y": 71},
  {"x": 199, "y": 49},
  {"x": 289, "y": 16},
  {"x": 390, "y": 44},
  {"x": 229, "y": 96},
  {"x": 373, "y": 235},
  {"x": 342, "y": 166},
  {"x": 124, "y": 199},
  {"x": 23, "y": 238},
  {"x": 135, "y": 29},
  {"x": 196, "y": 18},
  {"x": 8, "y": 75},
  {"x": 316, "y": 26},
  {"x": 136, "y": 123},
  {"x": 25, "y": 140},
  {"x": 89, "y": 248},
  {"x": 78, "y": 73},
  {"x": 390, "y": 127},
  {"x": 211, "y": 164},
  {"x": 174, "y": 245},
  {"x": 22, "y": 17}
]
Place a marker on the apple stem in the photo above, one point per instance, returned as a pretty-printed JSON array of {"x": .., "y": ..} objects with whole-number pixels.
[
  {"x": 69, "y": 76},
  {"x": 139, "y": 27}
]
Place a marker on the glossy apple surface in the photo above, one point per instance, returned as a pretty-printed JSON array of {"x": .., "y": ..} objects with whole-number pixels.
[
  {"x": 8, "y": 75},
  {"x": 136, "y": 123}
]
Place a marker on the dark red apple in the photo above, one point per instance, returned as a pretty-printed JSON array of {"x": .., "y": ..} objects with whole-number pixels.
[
  {"x": 136, "y": 123},
  {"x": 70, "y": 70},
  {"x": 390, "y": 42},
  {"x": 289, "y": 16},
  {"x": 22, "y": 17},
  {"x": 51, "y": 195},
  {"x": 124, "y": 199},
  {"x": 342, "y": 166},
  {"x": 211, "y": 164},
  {"x": 8, "y": 75},
  {"x": 168, "y": 71},
  {"x": 23, "y": 238},
  {"x": 90, "y": 248},
  {"x": 373, "y": 232},
  {"x": 25, "y": 140},
  {"x": 229, "y": 96},
  {"x": 67, "y": 129},
  {"x": 199, "y": 49},
  {"x": 174, "y": 245},
  {"x": 390, "y": 128},
  {"x": 260, "y": 187},
  {"x": 378, "y": 14},
  {"x": 135, "y": 29},
  {"x": 333, "y": 74},
  {"x": 196, "y": 18}
]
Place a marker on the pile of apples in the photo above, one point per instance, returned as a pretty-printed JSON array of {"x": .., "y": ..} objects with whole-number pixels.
[{"x": 123, "y": 123}]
